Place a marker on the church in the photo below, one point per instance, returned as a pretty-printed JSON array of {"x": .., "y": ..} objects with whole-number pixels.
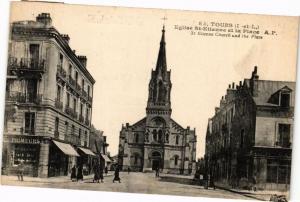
[{"x": 157, "y": 141}]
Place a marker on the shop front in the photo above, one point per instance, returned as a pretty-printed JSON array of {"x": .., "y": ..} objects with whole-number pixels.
[
  {"x": 61, "y": 158},
  {"x": 19, "y": 149},
  {"x": 86, "y": 160}
]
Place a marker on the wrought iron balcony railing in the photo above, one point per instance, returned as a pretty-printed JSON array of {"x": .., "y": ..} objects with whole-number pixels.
[
  {"x": 26, "y": 64},
  {"x": 23, "y": 97},
  {"x": 72, "y": 81},
  {"x": 71, "y": 112},
  {"x": 58, "y": 104},
  {"x": 73, "y": 139},
  {"x": 61, "y": 72}
]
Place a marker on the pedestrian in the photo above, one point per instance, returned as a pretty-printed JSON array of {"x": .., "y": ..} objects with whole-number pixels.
[
  {"x": 73, "y": 173},
  {"x": 96, "y": 173},
  {"x": 79, "y": 173},
  {"x": 21, "y": 170},
  {"x": 254, "y": 182},
  {"x": 117, "y": 175},
  {"x": 101, "y": 174},
  {"x": 157, "y": 172},
  {"x": 106, "y": 170},
  {"x": 212, "y": 182},
  {"x": 128, "y": 170}
]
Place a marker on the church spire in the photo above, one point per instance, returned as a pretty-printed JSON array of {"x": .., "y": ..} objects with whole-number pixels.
[{"x": 161, "y": 64}]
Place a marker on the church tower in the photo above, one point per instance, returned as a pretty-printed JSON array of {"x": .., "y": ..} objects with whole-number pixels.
[
  {"x": 157, "y": 141},
  {"x": 159, "y": 102}
]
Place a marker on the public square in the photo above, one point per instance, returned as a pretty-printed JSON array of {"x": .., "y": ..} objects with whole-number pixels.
[{"x": 132, "y": 183}]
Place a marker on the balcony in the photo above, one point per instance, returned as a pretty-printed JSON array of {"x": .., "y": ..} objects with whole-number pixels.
[
  {"x": 78, "y": 87},
  {"x": 26, "y": 66},
  {"x": 81, "y": 119},
  {"x": 84, "y": 93},
  {"x": 87, "y": 122},
  {"x": 72, "y": 81},
  {"x": 23, "y": 97},
  {"x": 72, "y": 139},
  {"x": 71, "y": 112},
  {"x": 58, "y": 104},
  {"x": 61, "y": 73}
]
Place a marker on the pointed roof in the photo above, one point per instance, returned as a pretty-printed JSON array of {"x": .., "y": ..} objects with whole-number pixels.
[{"x": 161, "y": 64}]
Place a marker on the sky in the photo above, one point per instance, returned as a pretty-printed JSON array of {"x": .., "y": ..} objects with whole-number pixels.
[{"x": 121, "y": 45}]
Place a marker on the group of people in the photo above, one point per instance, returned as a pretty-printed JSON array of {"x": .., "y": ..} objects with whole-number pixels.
[
  {"x": 98, "y": 173},
  {"x": 77, "y": 173}
]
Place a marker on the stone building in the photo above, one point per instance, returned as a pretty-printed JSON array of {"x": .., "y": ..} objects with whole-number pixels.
[
  {"x": 99, "y": 145},
  {"x": 49, "y": 95},
  {"x": 249, "y": 138},
  {"x": 157, "y": 140}
]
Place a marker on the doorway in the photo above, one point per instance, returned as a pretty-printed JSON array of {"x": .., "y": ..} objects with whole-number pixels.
[{"x": 155, "y": 164}]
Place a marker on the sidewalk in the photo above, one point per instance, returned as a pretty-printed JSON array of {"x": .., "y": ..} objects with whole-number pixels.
[
  {"x": 59, "y": 179},
  {"x": 257, "y": 195}
]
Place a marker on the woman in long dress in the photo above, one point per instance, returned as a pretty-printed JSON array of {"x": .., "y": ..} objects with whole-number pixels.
[
  {"x": 79, "y": 173},
  {"x": 96, "y": 173},
  {"x": 117, "y": 175},
  {"x": 73, "y": 173}
]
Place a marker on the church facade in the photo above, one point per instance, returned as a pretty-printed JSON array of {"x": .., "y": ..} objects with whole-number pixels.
[{"x": 157, "y": 141}]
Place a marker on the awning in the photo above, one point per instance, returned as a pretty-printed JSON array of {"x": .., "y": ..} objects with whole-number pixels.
[
  {"x": 87, "y": 151},
  {"x": 105, "y": 158},
  {"x": 66, "y": 148}
]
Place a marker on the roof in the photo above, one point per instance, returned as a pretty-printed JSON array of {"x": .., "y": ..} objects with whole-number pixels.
[{"x": 267, "y": 88}]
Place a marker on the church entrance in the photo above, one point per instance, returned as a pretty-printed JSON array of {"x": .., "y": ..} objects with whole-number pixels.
[{"x": 156, "y": 160}]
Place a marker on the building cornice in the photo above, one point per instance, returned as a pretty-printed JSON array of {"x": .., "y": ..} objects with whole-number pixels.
[{"x": 51, "y": 32}]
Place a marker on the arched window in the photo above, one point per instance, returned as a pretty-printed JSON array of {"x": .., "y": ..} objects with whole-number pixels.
[
  {"x": 136, "y": 137},
  {"x": 167, "y": 137},
  {"x": 176, "y": 160},
  {"x": 154, "y": 135},
  {"x": 160, "y": 135},
  {"x": 177, "y": 139}
]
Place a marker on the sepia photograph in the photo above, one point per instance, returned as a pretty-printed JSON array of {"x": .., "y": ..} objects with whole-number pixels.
[{"x": 150, "y": 101}]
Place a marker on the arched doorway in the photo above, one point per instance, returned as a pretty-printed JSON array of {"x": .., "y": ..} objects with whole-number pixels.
[{"x": 156, "y": 160}]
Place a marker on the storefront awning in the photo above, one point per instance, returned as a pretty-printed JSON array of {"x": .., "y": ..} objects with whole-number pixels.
[
  {"x": 66, "y": 148},
  {"x": 105, "y": 158},
  {"x": 87, "y": 151}
]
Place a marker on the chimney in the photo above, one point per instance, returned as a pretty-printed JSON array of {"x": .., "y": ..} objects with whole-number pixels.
[
  {"x": 232, "y": 85},
  {"x": 44, "y": 18},
  {"x": 254, "y": 83},
  {"x": 82, "y": 60},
  {"x": 65, "y": 37},
  {"x": 217, "y": 110},
  {"x": 222, "y": 102}
]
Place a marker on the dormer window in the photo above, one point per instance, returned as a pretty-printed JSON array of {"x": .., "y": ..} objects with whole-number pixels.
[{"x": 285, "y": 99}]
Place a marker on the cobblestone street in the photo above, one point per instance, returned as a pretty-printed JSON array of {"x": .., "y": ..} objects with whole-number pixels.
[{"x": 133, "y": 183}]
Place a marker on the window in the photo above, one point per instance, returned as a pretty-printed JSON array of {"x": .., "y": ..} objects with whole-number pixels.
[
  {"x": 86, "y": 139},
  {"x": 176, "y": 160},
  {"x": 75, "y": 104},
  {"x": 177, "y": 139},
  {"x": 34, "y": 55},
  {"x": 154, "y": 135},
  {"x": 76, "y": 77},
  {"x": 136, "y": 137},
  {"x": 70, "y": 70},
  {"x": 81, "y": 109},
  {"x": 89, "y": 91},
  {"x": 58, "y": 95},
  {"x": 87, "y": 113},
  {"x": 73, "y": 130},
  {"x": 61, "y": 59},
  {"x": 285, "y": 100},
  {"x": 278, "y": 171},
  {"x": 29, "y": 123},
  {"x": 56, "y": 133},
  {"x": 82, "y": 83},
  {"x": 160, "y": 135},
  {"x": 284, "y": 135},
  {"x": 66, "y": 127},
  {"x": 242, "y": 138},
  {"x": 68, "y": 100},
  {"x": 79, "y": 134},
  {"x": 167, "y": 137}
]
